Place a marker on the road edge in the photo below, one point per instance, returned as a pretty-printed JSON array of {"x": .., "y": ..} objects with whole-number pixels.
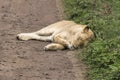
[
  {"x": 79, "y": 69},
  {"x": 60, "y": 8}
]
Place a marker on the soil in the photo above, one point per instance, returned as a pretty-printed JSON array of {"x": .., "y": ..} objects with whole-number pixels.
[{"x": 26, "y": 60}]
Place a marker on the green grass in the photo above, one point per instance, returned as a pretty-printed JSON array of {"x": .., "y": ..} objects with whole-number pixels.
[{"x": 103, "y": 54}]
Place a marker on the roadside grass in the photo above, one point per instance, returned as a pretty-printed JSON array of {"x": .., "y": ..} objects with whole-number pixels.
[{"x": 102, "y": 55}]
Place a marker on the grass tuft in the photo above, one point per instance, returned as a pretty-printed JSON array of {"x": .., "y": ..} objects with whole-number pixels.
[{"x": 103, "y": 17}]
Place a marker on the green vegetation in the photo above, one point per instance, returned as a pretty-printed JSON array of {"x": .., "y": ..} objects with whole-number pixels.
[{"x": 103, "y": 17}]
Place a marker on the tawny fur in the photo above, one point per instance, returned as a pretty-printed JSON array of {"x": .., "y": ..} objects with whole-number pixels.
[{"x": 63, "y": 34}]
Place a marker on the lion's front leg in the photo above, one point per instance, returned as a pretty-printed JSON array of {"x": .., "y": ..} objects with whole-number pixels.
[
  {"x": 64, "y": 42},
  {"x": 54, "y": 46}
]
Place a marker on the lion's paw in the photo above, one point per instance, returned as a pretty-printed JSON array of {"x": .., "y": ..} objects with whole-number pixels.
[
  {"x": 23, "y": 36},
  {"x": 71, "y": 47}
]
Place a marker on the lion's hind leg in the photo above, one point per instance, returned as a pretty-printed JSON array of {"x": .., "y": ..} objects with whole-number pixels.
[
  {"x": 54, "y": 46},
  {"x": 26, "y": 36},
  {"x": 45, "y": 31},
  {"x": 33, "y": 36}
]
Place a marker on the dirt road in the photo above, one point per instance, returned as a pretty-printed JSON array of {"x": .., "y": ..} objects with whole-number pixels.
[{"x": 26, "y": 60}]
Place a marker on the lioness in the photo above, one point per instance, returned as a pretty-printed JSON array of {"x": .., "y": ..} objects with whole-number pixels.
[{"x": 63, "y": 34}]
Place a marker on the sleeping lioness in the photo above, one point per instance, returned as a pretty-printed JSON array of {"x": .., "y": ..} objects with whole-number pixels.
[{"x": 63, "y": 34}]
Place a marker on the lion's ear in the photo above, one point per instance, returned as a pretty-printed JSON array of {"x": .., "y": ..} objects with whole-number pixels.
[{"x": 86, "y": 29}]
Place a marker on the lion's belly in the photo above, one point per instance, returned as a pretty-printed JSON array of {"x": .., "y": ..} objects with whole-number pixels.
[{"x": 65, "y": 35}]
